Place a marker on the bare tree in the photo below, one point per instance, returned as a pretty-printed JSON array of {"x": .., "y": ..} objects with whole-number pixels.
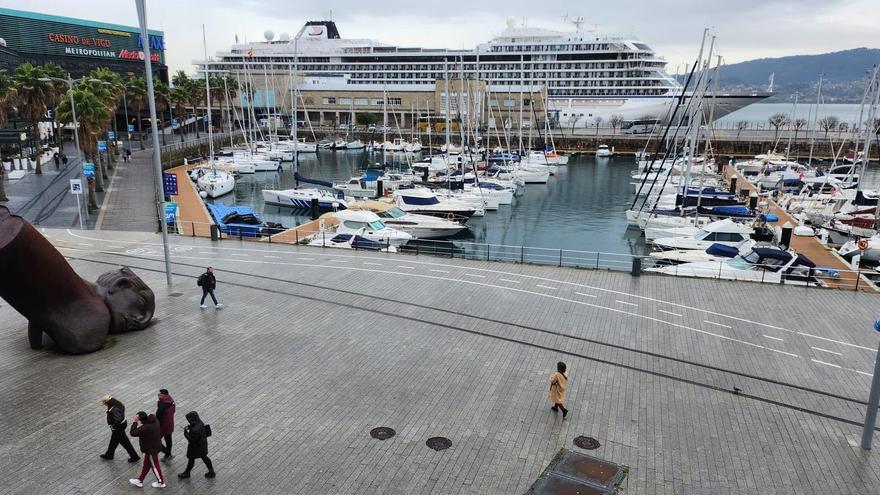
[
  {"x": 798, "y": 125},
  {"x": 778, "y": 120},
  {"x": 828, "y": 123},
  {"x": 598, "y": 121},
  {"x": 841, "y": 128},
  {"x": 741, "y": 125},
  {"x": 615, "y": 122}
]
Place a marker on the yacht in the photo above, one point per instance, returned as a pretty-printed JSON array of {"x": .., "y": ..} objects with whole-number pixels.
[
  {"x": 302, "y": 198},
  {"x": 725, "y": 232},
  {"x": 760, "y": 264},
  {"x": 357, "y": 144},
  {"x": 603, "y": 151},
  {"x": 216, "y": 183},
  {"x": 418, "y": 226},
  {"x": 367, "y": 224},
  {"x": 422, "y": 200},
  {"x": 589, "y": 75}
]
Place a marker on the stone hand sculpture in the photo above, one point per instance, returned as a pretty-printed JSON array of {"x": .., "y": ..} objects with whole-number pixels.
[{"x": 77, "y": 315}]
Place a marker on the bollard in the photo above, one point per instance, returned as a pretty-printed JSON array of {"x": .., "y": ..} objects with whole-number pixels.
[
  {"x": 314, "y": 209},
  {"x": 215, "y": 232},
  {"x": 425, "y": 175},
  {"x": 636, "y": 267},
  {"x": 380, "y": 189},
  {"x": 733, "y": 183},
  {"x": 753, "y": 200},
  {"x": 785, "y": 238}
]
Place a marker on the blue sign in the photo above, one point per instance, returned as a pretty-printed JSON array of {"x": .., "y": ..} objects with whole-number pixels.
[
  {"x": 877, "y": 323},
  {"x": 156, "y": 42},
  {"x": 173, "y": 122},
  {"x": 170, "y": 182},
  {"x": 102, "y": 146},
  {"x": 88, "y": 170},
  {"x": 111, "y": 135},
  {"x": 130, "y": 127},
  {"x": 170, "y": 212}
]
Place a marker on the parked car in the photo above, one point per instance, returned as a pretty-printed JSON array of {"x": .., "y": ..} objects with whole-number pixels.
[
  {"x": 371, "y": 128},
  {"x": 343, "y": 127}
]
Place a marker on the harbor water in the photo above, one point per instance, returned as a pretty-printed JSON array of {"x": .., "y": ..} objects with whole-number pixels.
[{"x": 582, "y": 208}]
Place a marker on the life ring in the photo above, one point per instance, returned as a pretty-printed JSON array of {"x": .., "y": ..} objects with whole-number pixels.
[
  {"x": 450, "y": 216},
  {"x": 863, "y": 244}
]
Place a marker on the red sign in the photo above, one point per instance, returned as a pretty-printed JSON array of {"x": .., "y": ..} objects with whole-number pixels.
[{"x": 130, "y": 55}]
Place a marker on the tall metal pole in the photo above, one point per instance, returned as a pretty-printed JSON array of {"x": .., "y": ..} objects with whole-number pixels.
[
  {"x": 76, "y": 143},
  {"x": 873, "y": 398},
  {"x": 157, "y": 159}
]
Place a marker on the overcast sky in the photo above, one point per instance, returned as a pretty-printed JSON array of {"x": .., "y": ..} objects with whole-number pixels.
[{"x": 746, "y": 29}]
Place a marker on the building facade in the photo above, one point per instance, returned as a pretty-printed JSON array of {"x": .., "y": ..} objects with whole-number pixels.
[{"x": 77, "y": 45}]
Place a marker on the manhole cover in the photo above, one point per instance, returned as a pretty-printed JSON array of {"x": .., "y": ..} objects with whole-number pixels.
[
  {"x": 588, "y": 443},
  {"x": 175, "y": 294},
  {"x": 382, "y": 433},
  {"x": 439, "y": 443}
]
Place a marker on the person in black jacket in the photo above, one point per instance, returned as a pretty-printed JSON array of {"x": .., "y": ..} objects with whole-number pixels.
[
  {"x": 118, "y": 423},
  {"x": 196, "y": 434},
  {"x": 208, "y": 283}
]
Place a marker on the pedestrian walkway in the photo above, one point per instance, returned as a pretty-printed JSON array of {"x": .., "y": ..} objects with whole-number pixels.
[
  {"x": 130, "y": 203},
  {"x": 696, "y": 386}
]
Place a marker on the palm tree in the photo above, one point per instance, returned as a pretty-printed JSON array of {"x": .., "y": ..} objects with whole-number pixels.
[
  {"x": 230, "y": 85},
  {"x": 136, "y": 92},
  {"x": 92, "y": 113},
  {"x": 6, "y": 93},
  {"x": 59, "y": 89},
  {"x": 107, "y": 86},
  {"x": 178, "y": 97},
  {"x": 33, "y": 94},
  {"x": 196, "y": 90},
  {"x": 160, "y": 91},
  {"x": 179, "y": 79}
]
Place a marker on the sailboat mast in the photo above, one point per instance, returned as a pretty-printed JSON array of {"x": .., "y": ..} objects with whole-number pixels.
[{"x": 208, "y": 102}]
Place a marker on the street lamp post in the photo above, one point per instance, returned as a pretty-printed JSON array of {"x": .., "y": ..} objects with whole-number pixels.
[
  {"x": 157, "y": 159},
  {"x": 873, "y": 399}
]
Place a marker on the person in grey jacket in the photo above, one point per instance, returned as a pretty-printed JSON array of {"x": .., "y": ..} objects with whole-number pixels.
[{"x": 118, "y": 424}]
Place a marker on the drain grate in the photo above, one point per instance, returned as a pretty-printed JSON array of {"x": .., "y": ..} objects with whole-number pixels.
[
  {"x": 588, "y": 443},
  {"x": 439, "y": 443},
  {"x": 382, "y": 433}
]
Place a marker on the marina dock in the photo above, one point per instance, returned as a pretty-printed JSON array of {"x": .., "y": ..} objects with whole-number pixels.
[
  {"x": 192, "y": 216},
  {"x": 821, "y": 255}
]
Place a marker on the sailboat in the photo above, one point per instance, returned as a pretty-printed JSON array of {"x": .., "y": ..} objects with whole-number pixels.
[{"x": 215, "y": 183}]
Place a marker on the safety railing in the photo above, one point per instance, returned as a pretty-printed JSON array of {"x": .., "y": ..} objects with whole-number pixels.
[{"x": 798, "y": 275}]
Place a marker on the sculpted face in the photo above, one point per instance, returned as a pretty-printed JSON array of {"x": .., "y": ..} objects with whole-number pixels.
[{"x": 130, "y": 301}]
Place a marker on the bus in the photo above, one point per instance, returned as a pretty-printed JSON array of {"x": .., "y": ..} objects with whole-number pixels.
[{"x": 644, "y": 126}]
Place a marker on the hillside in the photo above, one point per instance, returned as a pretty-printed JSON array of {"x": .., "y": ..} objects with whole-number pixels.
[{"x": 842, "y": 72}]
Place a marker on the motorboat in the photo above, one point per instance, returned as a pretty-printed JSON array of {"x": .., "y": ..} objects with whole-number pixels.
[
  {"x": 357, "y": 144},
  {"x": 503, "y": 194},
  {"x": 414, "y": 147},
  {"x": 325, "y": 144},
  {"x": 867, "y": 247},
  {"x": 302, "y": 198},
  {"x": 339, "y": 144},
  {"x": 356, "y": 187},
  {"x": 760, "y": 264},
  {"x": 216, "y": 183},
  {"x": 348, "y": 241},
  {"x": 514, "y": 173},
  {"x": 604, "y": 151},
  {"x": 367, "y": 224},
  {"x": 717, "y": 253},
  {"x": 397, "y": 145},
  {"x": 424, "y": 201},
  {"x": 725, "y": 232},
  {"x": 417, "y": 225}
]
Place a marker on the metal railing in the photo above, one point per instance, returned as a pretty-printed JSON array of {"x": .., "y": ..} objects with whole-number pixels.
[{"x": 569, "y": 258}]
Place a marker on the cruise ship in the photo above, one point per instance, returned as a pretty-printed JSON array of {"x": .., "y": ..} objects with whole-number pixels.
[{"x": 586, "y": 77}]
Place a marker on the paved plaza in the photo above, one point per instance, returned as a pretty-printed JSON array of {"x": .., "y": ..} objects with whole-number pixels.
[{"x": 698, "y": 386}]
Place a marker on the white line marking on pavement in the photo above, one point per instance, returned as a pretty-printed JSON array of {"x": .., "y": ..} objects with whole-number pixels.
[
  {"x": 826, "y": 364},
  {"x": 237, "y": 254},
  {"x": 586, "y": 295},
  {"x": 494, "y": 286},
  {"x": 508, "y": 280},
  {"x": 374, "y": 264},
  {"x": 859, "y": 372},
  {"x": 84, "y": 244},
  {"x": 627, "y": 303},
  {"x": 773, "y": 338},
  {"x": 718, "y": 324},
  {"x": 669, "y": 312},
  {"x": 407, "y": 267},
  {"x": 826, "y": 350},
  {"x": 205, "y": 252},
  {"x": 305, "y": 259},
  {"x": 440, "y": 271},
  {"x": 269, "y": 256},
  {"x": 546, "y": 287},
  {"x": 474, "y": 275},
  {"x": 339, "y": 261}
]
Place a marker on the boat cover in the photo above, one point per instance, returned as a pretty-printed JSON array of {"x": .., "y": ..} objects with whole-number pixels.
[{"x": 307, "y": 180}]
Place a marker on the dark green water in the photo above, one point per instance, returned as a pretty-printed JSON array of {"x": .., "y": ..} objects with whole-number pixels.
[{"x": 582, "y": 208}]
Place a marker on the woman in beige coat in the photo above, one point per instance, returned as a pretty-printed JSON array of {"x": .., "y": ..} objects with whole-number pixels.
[{"x": 558, "y": 384}]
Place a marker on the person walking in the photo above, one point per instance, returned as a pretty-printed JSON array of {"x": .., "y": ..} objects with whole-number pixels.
[
  {"x": 558, "y": 384},
  {"x": 57, "y": 160},
  {"x": 197, "y": 434},
  {"x": 208, "y": 283},
  {"x": 127, "y": 155},
  {"x": 63, "y": 159},
  {"x": 118, "y": 423},
  {"x": 165, "y": 409},
  {"x": 151, "y": 444}
]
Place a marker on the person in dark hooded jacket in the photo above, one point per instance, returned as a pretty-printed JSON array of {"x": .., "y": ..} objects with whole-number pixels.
[
  {"x": 150, "y": 444},
  {"x": 196, "y": 434}
]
